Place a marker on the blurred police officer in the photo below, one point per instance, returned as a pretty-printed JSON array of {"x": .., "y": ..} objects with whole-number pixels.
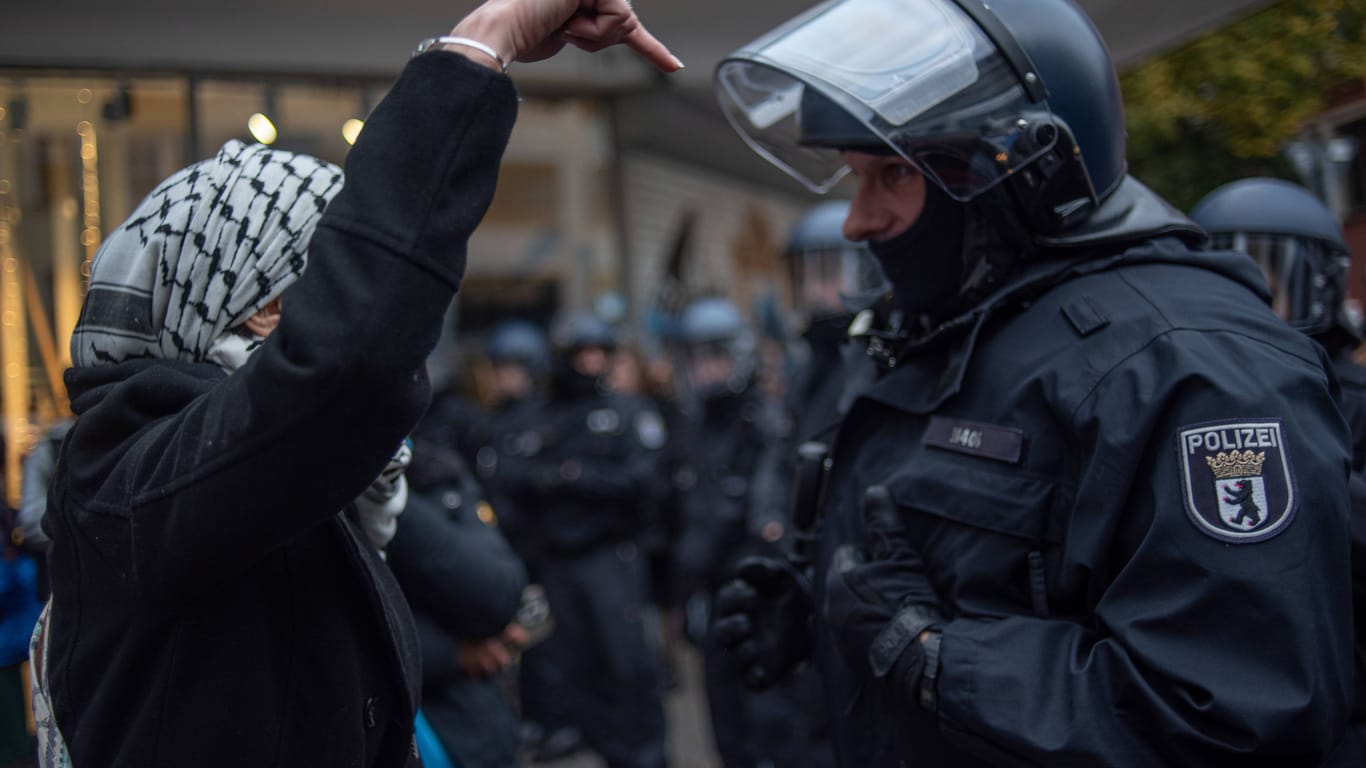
[
  {"x": 1301, "y": 250},
  {"x": 832, "y": 278},
  {"x": 594, "y": 462},
  {"x": 1058, "y": 528},
  {"x": 519, "y": 355},
  {"x": 508, "y": 442},
  {"x": 722, "y": 520}
]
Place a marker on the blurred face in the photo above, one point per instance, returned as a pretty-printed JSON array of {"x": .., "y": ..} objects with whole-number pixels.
[
  {"x": 511, "y": 380},
  {"x": 889, "y": 198},
  {"x": 821, "y": 281},
  {"x": 626, "y": 375},
  {"x": 710, "y": 366},
  {"x": 590, "y": 361}
]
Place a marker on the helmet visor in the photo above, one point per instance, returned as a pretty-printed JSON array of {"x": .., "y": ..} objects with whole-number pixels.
[
  {"x": 832, "y": 280},
  {"x": 915, "y": 77},
  {"x": 1306, "y": 277}
]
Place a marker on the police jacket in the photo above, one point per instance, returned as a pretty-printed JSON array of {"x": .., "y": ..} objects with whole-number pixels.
[
  {"x": 1352, "y": 399},
  {"x": 210, "y": 606},
  {"x": 722, "y": 502},
  {"x": 1128, "y": 481},
  {"x": 594, "y": 458},
  {"x": 507, "y": 443}
]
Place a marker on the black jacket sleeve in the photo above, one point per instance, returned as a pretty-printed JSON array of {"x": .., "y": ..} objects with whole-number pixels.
[{"x": 289, "y": 439}]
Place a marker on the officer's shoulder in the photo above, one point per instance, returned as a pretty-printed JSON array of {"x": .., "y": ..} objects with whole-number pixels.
[{"x": 1148, "y": 299}]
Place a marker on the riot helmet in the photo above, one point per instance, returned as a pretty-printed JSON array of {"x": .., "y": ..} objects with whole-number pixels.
[
  {"x": 585, "y": 343},
  {"x": 1294, "y": 238},
  {"x": 1020, "y": 93},
  {"x": 579, "y": 330},
  {"x": 520, "y": 356},
  {"x": 521, "y": 342},
  {"x": 718, "y": 349},
  {"x": 831, "y": 275}
]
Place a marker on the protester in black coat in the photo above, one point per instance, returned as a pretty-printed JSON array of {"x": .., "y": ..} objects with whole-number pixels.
[{"x": 210, "y": 607}]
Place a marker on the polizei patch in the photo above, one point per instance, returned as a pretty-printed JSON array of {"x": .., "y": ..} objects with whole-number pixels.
[{"x": 1237, "y": 479}]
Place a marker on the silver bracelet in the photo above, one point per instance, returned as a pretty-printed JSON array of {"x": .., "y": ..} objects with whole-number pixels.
[{"x": 484, "y": 48}]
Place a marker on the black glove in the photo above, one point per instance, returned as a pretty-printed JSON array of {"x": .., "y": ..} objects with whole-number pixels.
[
  {"x": 878, "y": 602},
  {"x": 763, "y": 619}
]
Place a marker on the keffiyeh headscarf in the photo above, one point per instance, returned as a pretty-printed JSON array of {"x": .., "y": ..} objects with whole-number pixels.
[{"x": 203, "y": 252}]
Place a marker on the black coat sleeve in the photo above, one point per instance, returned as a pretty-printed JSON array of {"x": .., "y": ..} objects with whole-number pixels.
[{"x": 289, "y": 439}]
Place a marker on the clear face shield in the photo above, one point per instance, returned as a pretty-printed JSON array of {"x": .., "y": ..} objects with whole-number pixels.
[
  {"x": 836, "y": 280},
  {"x": 919, "y": 76},
  {"x": 1307, "y": 278},
  {"x": 720, "y": 367}
]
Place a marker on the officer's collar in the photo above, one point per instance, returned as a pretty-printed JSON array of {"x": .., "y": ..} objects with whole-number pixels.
[
  {"x": 940, "y": 358},
  {"x": 1132, "y": 213}
]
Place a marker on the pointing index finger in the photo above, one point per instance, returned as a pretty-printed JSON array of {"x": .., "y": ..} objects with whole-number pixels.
[{"x": 648, "y": 46}]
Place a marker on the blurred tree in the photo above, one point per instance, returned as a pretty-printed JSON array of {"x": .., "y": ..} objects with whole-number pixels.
[{"x": 1224, "y": 107}]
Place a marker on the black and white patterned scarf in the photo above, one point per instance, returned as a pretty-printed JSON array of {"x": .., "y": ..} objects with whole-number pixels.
[{"x": 204, "y": 251}]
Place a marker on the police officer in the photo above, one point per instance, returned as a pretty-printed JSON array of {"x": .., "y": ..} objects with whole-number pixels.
[
  {"x": 594, "y": 462},
  {"x": 507, "y": 445},
  {"x": 832, "y": 278},
  {"x": 1301, "y": 250},
  {"x": 1057, "y": 528},
  {"x": 723, "y": 520},
  {"x": 519, "y": 355}
]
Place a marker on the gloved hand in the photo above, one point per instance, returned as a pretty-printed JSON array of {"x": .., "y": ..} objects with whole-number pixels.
[
  {"x": 763, "y": 618},
  {"x": 879, "y": 601}
]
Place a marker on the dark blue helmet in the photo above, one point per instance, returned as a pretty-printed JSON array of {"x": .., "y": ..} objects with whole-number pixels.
[
  {"x": 518, "y": 341},
  {"x": 714, "y": 333},
  {"x": 831, "y": 275},
  {"x": 709, "y": 321},
  {"x": 1270, "y": 207},
  {"x": 1294, "y": 238},
  {"x": 585, "y": 329},
  {"x": 974, "y": 94},
  {"x": 822, "y": 229}
]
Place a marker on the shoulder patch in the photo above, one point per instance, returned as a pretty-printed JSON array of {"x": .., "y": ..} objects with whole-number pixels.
[{"x": 1237, "y": 480}]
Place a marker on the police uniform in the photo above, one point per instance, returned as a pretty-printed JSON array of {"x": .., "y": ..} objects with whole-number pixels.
[
  {"x": 1298, "y": 243},
  {"x": 1352, "y": 400},
  {"x": 1056, "y": 463},
  {"x": 594, "y": 466},
  {"x": 722, "y": 508},
  {"x": 1095, "y": 513}
]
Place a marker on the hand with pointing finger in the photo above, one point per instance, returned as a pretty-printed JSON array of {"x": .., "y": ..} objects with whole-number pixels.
[{"x": 531, "y": 30}]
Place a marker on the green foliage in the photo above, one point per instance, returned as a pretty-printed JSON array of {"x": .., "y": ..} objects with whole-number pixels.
[{"x": 1224, "y": 106}]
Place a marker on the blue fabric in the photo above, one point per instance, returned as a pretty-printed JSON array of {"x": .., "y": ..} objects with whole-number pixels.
[
  {"x": 19, "y": 607},
  {"x": 429, "y": 747}
]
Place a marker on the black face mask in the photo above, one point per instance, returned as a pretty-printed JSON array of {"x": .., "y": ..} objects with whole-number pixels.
[
  {"x": 571, "y": 384},
  {"x": 924, "y": 264}
]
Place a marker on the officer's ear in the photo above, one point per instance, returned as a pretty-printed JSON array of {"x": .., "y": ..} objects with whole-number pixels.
[{"x": 266, "y": 318}]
